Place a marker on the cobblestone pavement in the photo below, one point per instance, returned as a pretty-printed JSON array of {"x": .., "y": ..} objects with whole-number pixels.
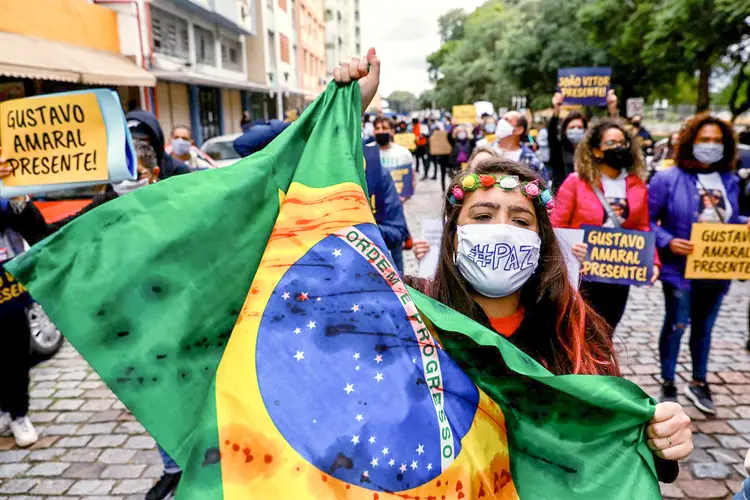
[{"x": 91, "y": 447}]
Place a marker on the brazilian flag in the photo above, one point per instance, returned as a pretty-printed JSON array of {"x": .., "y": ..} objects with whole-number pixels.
[{"x": 252, "y": 320}]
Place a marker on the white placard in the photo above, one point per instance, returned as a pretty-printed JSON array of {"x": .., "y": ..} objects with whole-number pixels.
[
  {"x": 566, "y": 239},
  {"x": 432, "y": 232}
]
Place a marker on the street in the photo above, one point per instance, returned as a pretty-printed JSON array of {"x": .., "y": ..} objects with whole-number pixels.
[{"x": 91, "y": 447}]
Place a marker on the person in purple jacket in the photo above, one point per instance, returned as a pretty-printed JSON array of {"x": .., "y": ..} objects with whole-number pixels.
[{"x": 703, "y": 188}]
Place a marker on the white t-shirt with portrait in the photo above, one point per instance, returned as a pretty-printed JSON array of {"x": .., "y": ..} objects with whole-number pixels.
[
  {"x": 713, "y": 202},
  {"x": 616, "y": 193}
]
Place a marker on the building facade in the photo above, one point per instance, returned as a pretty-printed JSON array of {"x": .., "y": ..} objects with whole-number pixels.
[
  {"x": 197, "y": 50},
  {"x": 342, "y": 22},
  {"x": 59, "y": 45}
]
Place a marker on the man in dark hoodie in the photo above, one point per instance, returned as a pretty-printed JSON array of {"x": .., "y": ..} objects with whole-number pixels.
[
  {"x": 258, "y": 136},
  {"x": 144, "y": 126}
]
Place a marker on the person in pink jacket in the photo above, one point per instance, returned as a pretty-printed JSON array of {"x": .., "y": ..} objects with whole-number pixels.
[{"x": 609, "y": 161}]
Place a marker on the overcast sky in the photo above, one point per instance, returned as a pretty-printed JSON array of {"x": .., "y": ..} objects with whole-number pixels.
[{"x": 405, "y": 32}]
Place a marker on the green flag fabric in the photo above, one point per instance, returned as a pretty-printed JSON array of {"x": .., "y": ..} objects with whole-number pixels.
[{"x": 251, "y": 320}]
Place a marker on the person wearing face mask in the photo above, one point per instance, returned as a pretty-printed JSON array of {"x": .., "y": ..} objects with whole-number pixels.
[
  {"x": 647, "y": 141},
  {"x": 144, "y": 126},
  {"x": 392, "y": 156},
  {"x": 463, "y": 148},
  {"x": 420, "y": 154},
  {"x": 182, "y": 147},
  {"x": 489, "y": 127},
  {"x": 703, "y": 187},
  {"x": 510, "y": 145},
  {"x": 564, "y": 139},
  {"x": 500, "y": 264},
  {"x": 606, "y": 190}
]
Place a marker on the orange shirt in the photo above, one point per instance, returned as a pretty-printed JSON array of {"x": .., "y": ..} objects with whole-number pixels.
[{"x": 508, "y": 325}]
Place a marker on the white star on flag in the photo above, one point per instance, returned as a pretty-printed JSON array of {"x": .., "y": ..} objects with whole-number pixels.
[
  {"x": 299, "y": 356},
  {"x": 337, "y": 253},
  {"x": 297, "y": 331},
  {"x": 378, "y": 358},
  {"x": 391, "y": 462},
  {"x": 355, "y": 308},
  {"x": 402, "y": 468},
  {"x": 420, "y": 449},
  {"x": 414, "y": 360},
  {"x": 286, "y": 296},
  {"x": 355, "y": 439},
  {"x": 374, "y": 462},
  {"x": 385, "y": 451},
  {"x": 414, "y": 465},
  {"x": 311, "y": 325},
  {"x": 318, "y": 299},
  {"x": 359, "y": 418},
  {"x": 365, "y": 474},
  {"x": 349, "y": 388},
  {"x": 379, "y": 377},
  {"x": 356, "y": 367},
  {"x": 356, "y": 355},
  {"x": 372, "y": 440},
  {"x": 429, "y": 466}
]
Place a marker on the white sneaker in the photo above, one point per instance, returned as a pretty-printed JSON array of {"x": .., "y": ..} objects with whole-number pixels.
[
  {"x": 4, "y": 424},
  {"x": 24, "y": 432}
]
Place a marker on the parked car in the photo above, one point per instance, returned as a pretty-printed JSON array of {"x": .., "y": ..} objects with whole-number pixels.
[{"x": 221, "y": 149}]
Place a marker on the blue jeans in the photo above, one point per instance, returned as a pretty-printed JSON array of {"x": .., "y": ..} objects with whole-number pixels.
[
  {"x": 697, "y": 306},
  {"x": 398, "y": 258},
  {"x": 170, "y": 466},
  {"x": 745, "y": 493}
]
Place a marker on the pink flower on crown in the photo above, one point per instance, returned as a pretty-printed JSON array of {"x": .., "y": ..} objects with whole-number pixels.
[
  {"x": 551, "y": 205},
  {"x": 458, "y": 193},
  {"x": 532, "y": 190}
]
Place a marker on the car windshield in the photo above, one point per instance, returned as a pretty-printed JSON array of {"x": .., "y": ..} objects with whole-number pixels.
[{"x": 221, "y": 151}]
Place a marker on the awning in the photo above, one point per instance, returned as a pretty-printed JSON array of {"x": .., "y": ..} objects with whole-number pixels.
[
  {"x": 195, "y": 78},
  {"x": 30, "y": 57}
]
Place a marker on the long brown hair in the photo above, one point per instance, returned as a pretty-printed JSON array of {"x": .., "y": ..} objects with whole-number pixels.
[
  {"x": 689, "y": 133},
  {"x": 559, "y": 329},
  {"x": 586, "y": 166}
]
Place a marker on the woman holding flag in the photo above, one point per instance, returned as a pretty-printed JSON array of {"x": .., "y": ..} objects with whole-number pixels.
[{"x": 532, "y": 303}]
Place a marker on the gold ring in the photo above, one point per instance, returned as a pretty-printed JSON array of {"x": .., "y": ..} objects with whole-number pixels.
[{"x": 669, "y": 440}]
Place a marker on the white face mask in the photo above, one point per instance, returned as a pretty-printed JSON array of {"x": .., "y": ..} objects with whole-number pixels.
[
  {"x": 181, "y": 147},
  {"x": 504, "y": 129},
  {"x": 125, "y": 187},
  {"x": 497, "y": 259}
]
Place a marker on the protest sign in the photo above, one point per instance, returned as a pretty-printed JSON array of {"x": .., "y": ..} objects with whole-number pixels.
[
  {"x": 465, "y": 114},
  {"x": 403, "y": 180},
  {"x": 618, "y": 256},
  {"x": 634, "y": 107},
  {"x": 13, "y": 294},
  {"x": 439, "y": 144},
  {"x": 432, "y": 232},
  {"x": 407, "y": 140},
  {"x": 566, "y": 238},
  {"x": 722, "y": 252},
  {"x": 65, "y": 140},
  {"x": 585, "y": 86}
]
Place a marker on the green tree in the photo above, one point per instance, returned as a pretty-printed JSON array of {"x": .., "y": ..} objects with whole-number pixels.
[{"x": 402, "y": 101}]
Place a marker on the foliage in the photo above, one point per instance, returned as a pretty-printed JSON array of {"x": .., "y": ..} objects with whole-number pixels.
[
  {"x": 656, "y": 48},
  {"x": 402, "y": 101}
]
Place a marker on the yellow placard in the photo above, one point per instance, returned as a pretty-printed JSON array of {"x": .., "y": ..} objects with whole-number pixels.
[
  {"x": 407, "y": 140},
  {"x": 54, "y": 140},
  {"x": 491, "y": 138},
  {"x": 721, "y": 252},
  {"x": 465, "y": 114}
]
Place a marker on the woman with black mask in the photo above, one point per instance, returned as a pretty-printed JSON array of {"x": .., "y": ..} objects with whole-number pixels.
[
  {"x": 606, "y": 190},
  {"x": 562, "y": 143}
]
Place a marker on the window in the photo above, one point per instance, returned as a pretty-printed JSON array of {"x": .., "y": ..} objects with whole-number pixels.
[
  {"x": 205, "y": 50},
  {"x": 282, "y": 5},
  {"x": 284, "y": 44},
  {"x": 272, "y": 52},
  {"x": 170, "y": 34},
  {"x": 269, "y": 4},
  {"x": 230, "y": 54},
  {"x": 329, "y": 15}
]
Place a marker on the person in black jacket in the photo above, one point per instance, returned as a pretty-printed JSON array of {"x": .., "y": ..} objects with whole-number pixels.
[
  {"x": 563, "y": 140},
  {"x": 19, "y": 220},
  {"x": 144, "y": 126}
]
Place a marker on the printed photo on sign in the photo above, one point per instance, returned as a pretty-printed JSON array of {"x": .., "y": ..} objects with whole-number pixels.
[
  {"x": 621, "y": 210},
  {"x": 713, "y": 207}
]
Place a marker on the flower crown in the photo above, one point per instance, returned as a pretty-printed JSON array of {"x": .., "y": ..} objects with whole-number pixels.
[{"x": 531, "y": 189}]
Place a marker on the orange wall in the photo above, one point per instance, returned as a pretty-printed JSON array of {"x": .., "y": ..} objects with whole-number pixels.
[{"x": 71, "y": 21}]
